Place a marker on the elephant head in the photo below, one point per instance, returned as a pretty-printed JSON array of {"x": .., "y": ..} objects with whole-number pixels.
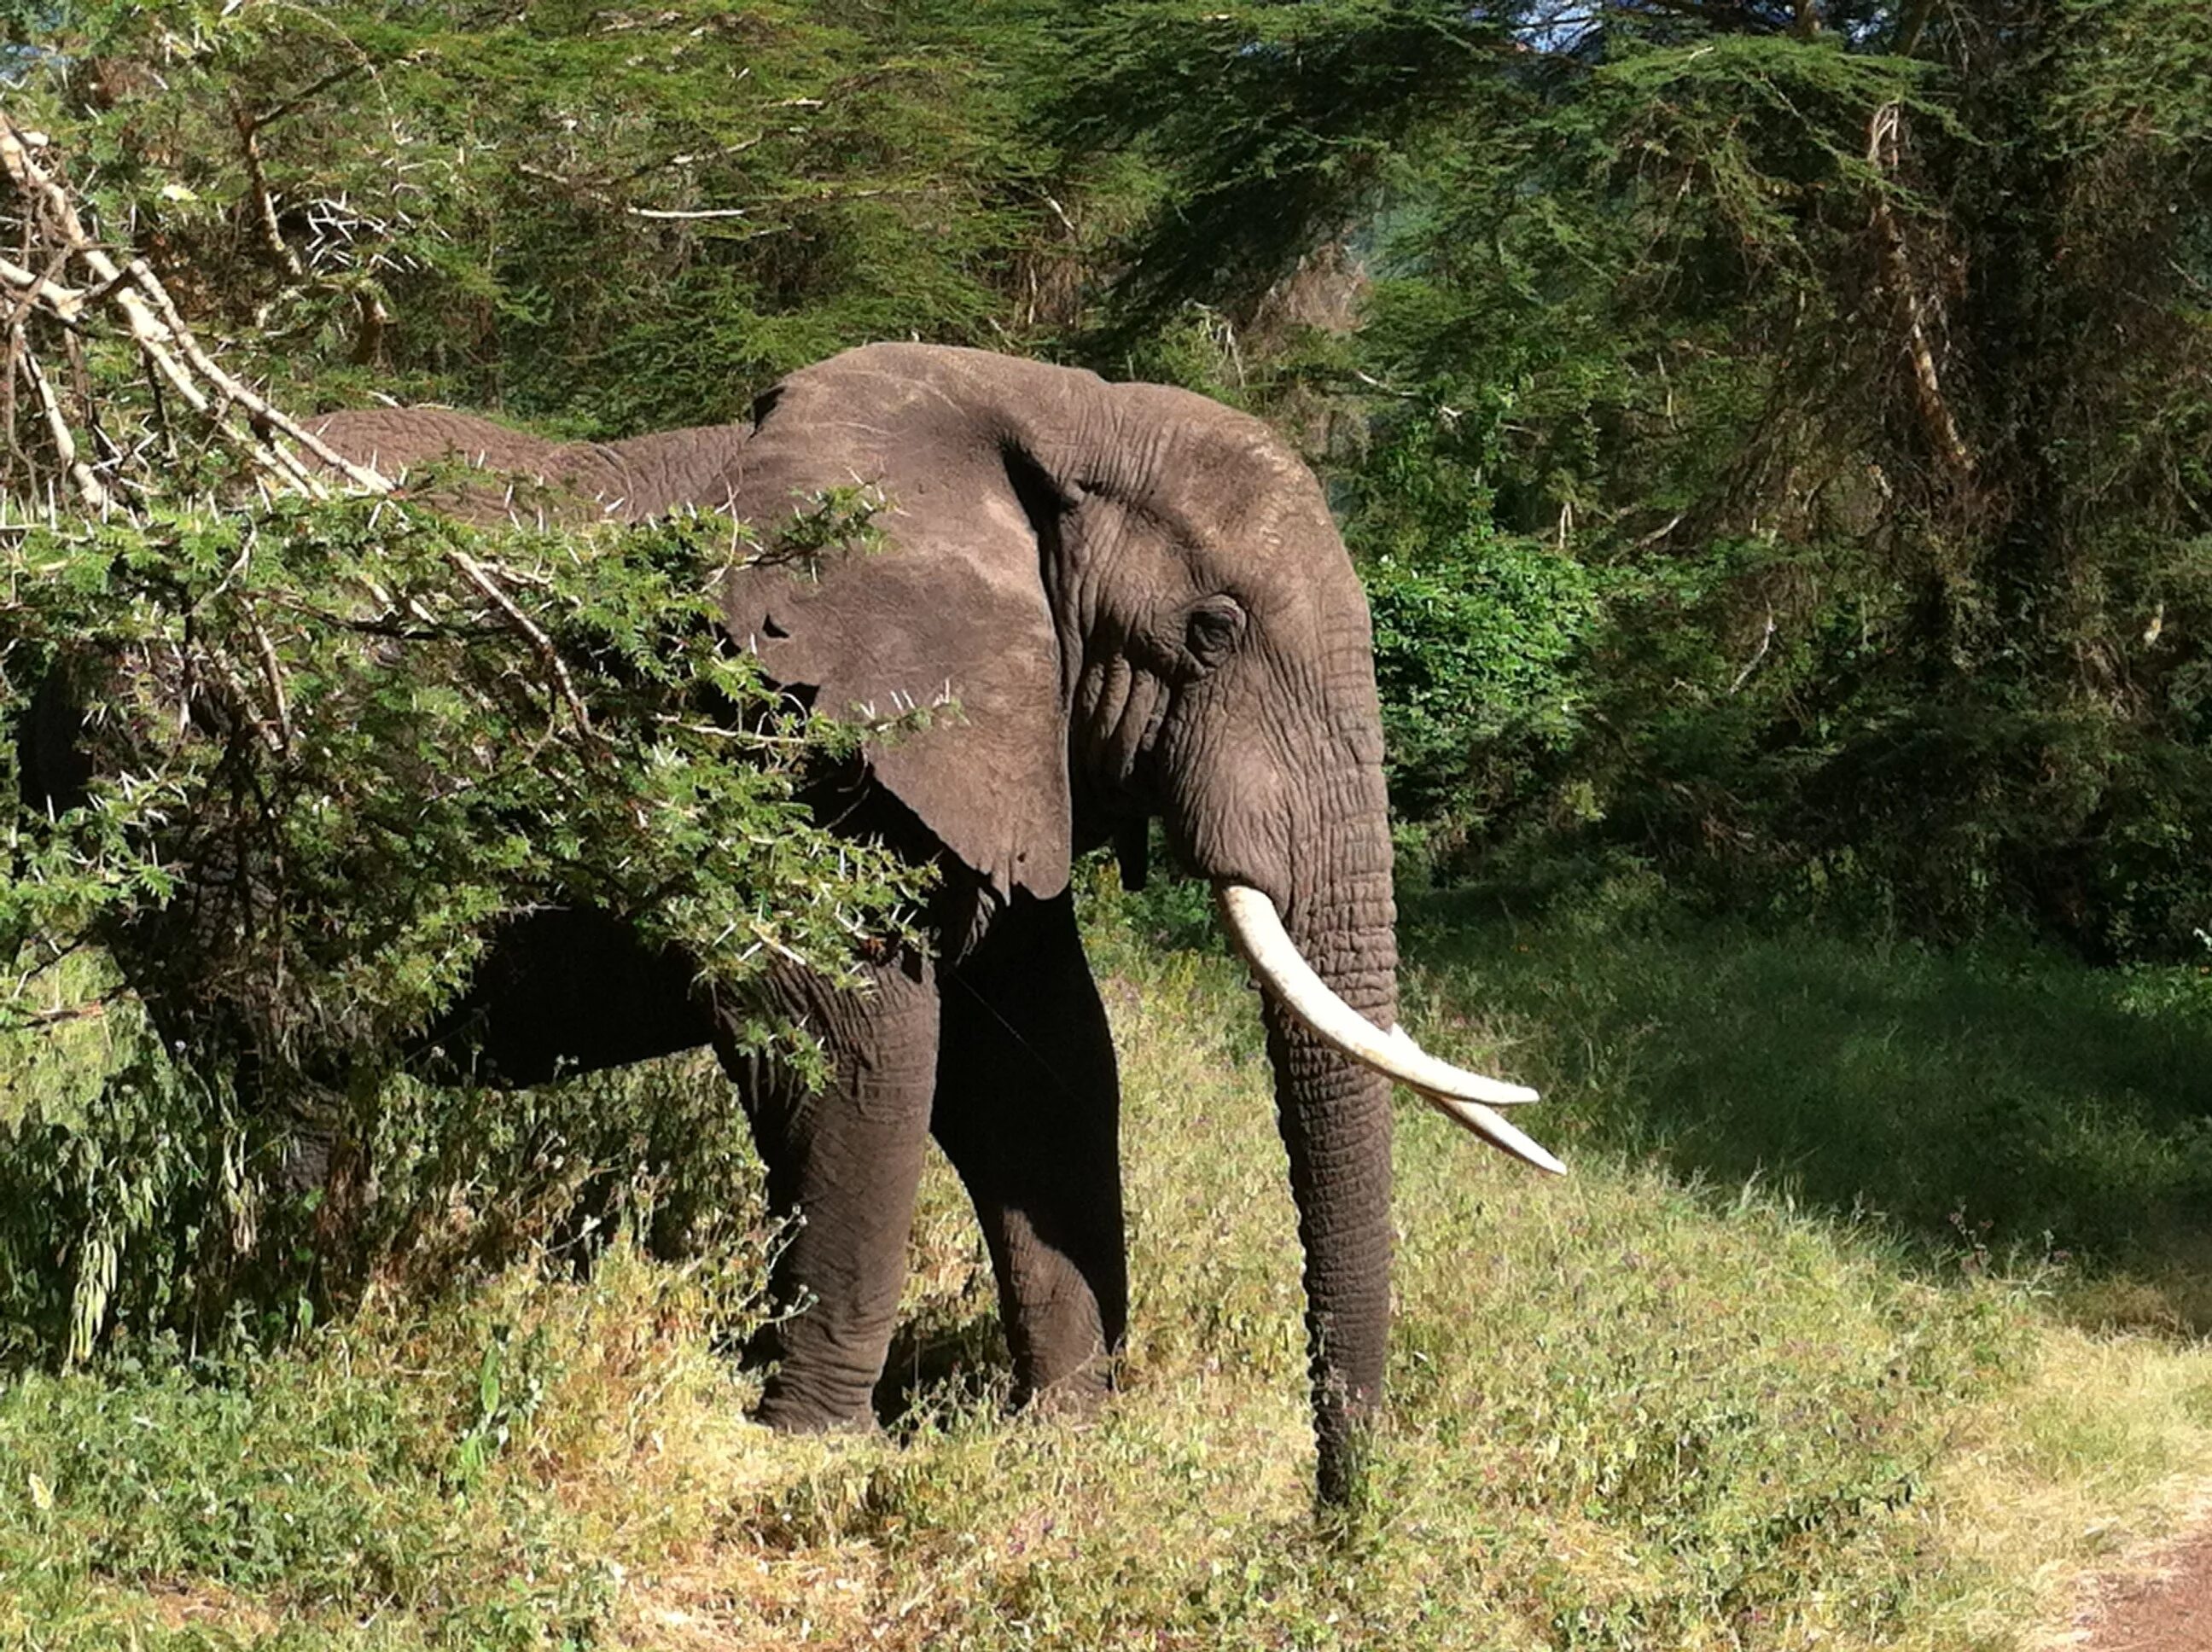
[{"x": 1138, "y": 604}]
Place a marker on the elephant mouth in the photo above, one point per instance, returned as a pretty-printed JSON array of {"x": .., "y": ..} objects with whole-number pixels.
[{"x": 1467, "y": 1098}]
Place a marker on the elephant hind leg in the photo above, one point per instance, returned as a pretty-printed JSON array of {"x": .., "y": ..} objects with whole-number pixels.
[
  {"x": 1028, "y": 1105},
  {"x": 844, "y": 1163}
]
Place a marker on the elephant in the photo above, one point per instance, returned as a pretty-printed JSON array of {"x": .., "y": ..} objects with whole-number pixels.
[{"x": 1138, "y": 604}]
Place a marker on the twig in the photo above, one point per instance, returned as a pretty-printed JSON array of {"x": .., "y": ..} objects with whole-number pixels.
[
  {"x": 146, "y": 327},
  {"x": 685, "y": 215},
  {"x": 271, "y": 670},
  {"x": 88, "y": 485},
  {"x": 1912, "y": 23},
  {"x": 249, "y": 145},
  {"x": 66, "y": 1012},
  {"x": 263, "y": 412},
  {"x": 270, "y": 117},
  {"x": 596, "y": 192},
  {"x": 477, "y": 576},
  {"x": 1766, "y": 641},
  {"x": 692, "y": 157},
  {"x": 270, "y": 735}
]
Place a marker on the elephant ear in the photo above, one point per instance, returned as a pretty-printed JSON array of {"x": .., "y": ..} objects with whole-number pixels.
[{"x": 949, "y": 612}]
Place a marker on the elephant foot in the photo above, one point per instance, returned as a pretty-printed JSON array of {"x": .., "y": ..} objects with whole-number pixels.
[
  {"x": 796, "y": 1412},
  {"x": 810, "y": 1384},
  {"x": 1076, "y": 1397}
]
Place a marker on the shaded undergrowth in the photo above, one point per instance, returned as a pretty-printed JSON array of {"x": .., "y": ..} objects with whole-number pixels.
[{"x": 1992, "y": 1108}]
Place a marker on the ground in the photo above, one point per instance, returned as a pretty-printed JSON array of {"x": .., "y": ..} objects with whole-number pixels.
[
  {"x": 2163, "y": 1603},
  {"x": 1700, "y": 1394}
]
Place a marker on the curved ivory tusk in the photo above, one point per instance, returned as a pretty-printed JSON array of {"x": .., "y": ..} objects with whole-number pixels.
[{"x": 1252, "y": 920}]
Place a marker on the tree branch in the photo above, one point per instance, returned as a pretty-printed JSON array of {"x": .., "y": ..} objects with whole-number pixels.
[
  {"x": 477, "y": 576},
  {"x": 88, "y": 485},
  {"x": 249, "y": 144},
  {"x": 271, "y": 117},
  {"x": 1910, "y": 26},
  {"x": 161, "y": 333},
  {"x": 1942, "y": 428}
]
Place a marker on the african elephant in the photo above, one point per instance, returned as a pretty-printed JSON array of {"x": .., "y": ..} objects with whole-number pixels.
[{"x": 1139, "y": 602}]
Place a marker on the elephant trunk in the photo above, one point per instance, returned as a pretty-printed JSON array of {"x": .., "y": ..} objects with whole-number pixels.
[
  {"x": 1328, "y": 959},
  {"x": 1334, "y": 1112}
]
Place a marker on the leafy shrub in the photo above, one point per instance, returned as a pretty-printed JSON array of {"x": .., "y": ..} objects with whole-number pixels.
[
  {"x": 1479, "y": 634},
  {"x": 328, "y": 751}
]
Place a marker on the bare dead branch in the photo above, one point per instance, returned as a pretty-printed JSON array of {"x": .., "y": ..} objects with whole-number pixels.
[
  {"x": 63, "y": 303},
  {"x": 89, "y": 486},
  {"x": 264, "y": 413},
  {"x": 163, "y": 337},
  {"x": 233, "y": 412}
]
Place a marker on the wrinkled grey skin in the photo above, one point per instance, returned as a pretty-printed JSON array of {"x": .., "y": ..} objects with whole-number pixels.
[{"x": 1141, "y": 603}]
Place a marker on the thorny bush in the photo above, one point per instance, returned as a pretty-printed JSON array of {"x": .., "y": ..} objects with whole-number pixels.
[{"x": 325, "y": 750}]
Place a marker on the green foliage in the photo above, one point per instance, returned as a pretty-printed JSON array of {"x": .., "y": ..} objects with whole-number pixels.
[
  {"x": 1477, "y": 632},
  {"x": 1854, "y": 353},
  {"x": 358, "y": 733},
  {"x": 617, "y": 219},
  {"x": 333, "y": 748},
  {"x": 1275, "y": 124}
]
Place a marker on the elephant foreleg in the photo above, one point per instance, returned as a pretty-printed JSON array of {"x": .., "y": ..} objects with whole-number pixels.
[
  {"x": 844, "y": 1162},
  {"x": 1028, "y": 1104}
]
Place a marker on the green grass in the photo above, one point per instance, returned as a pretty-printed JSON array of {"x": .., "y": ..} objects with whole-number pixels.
[
  {"x": 60, "y": 1065},
  {"x": 1740, "y": 1381},
  {"x": 1995, "y": 1109}
]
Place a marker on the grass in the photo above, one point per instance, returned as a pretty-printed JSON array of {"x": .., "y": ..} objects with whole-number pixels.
[
  {"x": 2000, "y": 1109},
  {"x": 1741, "y": 1381}
]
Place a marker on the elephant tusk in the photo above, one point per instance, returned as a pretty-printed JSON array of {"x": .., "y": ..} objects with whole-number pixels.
[
  {"x": 1252, "y": 919},
  {"x": 1461, "y": 1095}
]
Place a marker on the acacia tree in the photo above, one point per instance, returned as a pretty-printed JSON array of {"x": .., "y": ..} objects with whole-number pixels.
[
  {"x": 290, "y": 758},
  {"x": 1815, "y": 392},
  {"x": 402, "y": 731}
]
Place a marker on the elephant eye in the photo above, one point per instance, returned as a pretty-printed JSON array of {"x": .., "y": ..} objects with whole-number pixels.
[{"x": 1213, "y": 630}]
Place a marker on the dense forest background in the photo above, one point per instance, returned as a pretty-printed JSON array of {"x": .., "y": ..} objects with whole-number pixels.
[{"x": 1775, "y": 433}]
